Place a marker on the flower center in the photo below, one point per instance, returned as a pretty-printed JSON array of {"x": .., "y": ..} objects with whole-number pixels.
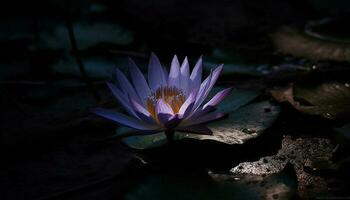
[{"x": 171, "y": 95}]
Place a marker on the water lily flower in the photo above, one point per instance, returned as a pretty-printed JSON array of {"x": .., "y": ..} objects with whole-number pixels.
[{"x": 165, "y": 101}]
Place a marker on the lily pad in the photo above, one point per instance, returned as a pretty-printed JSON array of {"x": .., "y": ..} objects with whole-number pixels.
[
  {"x": 141, "y": 141},
  {"x": 329, "y": 100},
  {"x": 215, "y": 186},
  {"x": 244, "y": 124},
  {"x": 291, "y": 41}
]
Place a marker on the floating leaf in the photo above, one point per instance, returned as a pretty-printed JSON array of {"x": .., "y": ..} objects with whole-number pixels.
[
  {"x": 245, "y": 123},
  {"x": 291, "y": 41},
  {"x": 141, "y": 141},
  {"x": 329, "y": 100}
]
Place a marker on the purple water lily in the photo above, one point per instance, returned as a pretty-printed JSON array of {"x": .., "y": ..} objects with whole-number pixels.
[{"x": 167, "y": 101}]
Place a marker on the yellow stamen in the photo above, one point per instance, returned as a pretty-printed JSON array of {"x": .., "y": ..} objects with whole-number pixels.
[{"x": 171, "y": 95}]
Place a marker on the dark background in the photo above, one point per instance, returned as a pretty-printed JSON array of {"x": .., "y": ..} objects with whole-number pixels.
[{"x": 52, "y": 148}]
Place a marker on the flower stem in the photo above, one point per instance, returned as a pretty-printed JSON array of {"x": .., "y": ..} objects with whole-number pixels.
[{"x": 170, "y": 136}]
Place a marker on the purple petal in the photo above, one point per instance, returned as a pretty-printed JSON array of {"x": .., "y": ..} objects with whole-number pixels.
[
  {"x": 186, "y": 107},
  {"x": 163, "y": 111},
  {"x": 139, "y": 81},
  {"x": 218, "y": 98},
  {"x": 141, "y": 112},
  {"x": 156, "y": 76},
  {"x": 202, "y": 130},
  {"x": 122, "y": 119},
  {"x": 213, "y": 77},
  {"x": 126, "y": 86},
  {"x": 122, "y": 98},
  {"x": 201, "y": 93},
  {"x": 185, "y": 76},
  {"x": 174, "y": 74},
  {"x": 196, "y": 75},
  {"x": 212, "y": 103},
  {"x": 203, "y": 119}
]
